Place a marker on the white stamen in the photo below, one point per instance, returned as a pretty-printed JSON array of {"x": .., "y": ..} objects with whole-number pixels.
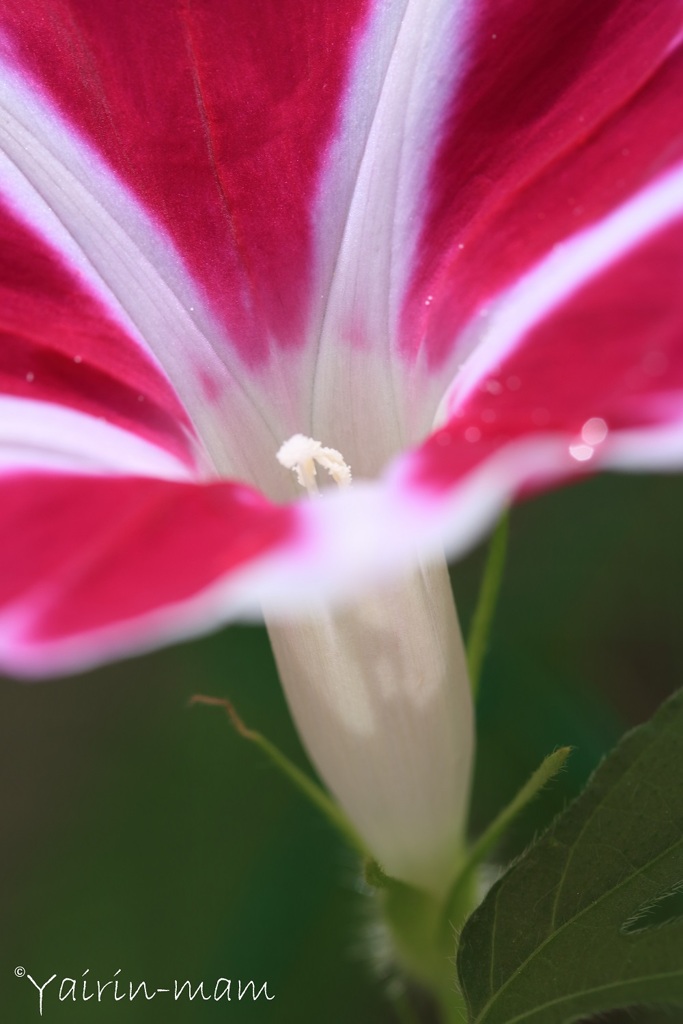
[{"x": 301, "y": 454}]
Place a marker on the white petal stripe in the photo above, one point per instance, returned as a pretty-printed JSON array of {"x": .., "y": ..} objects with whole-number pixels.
[
  {"x": 57, "y": 184},
  {"x": 36, "y": 434},
  {"x": 551, "y": 282}
]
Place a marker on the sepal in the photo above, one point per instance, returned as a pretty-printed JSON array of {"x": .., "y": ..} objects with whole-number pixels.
[{"x": 314, "y": 793}]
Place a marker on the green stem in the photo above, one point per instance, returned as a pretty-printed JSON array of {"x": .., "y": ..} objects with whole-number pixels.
[
  {"x": 486, "y": 602},
  {"x": 424, "y": 950}
]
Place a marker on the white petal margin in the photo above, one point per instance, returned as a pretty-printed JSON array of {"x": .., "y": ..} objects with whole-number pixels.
[
  {"x": 571, "y": 264},
  {"x": 347, "y": 543},
  {"x": 237, "y": 595},
  {"x": 381, "y": 698}
]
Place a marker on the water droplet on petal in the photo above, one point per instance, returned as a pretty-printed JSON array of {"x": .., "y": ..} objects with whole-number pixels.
[
  {"x": 30, "y": 376},
  {"x": 513, "y": 383},
  {"x": 443, "y": 438},
  {"x": 78, "y": 359},
  {"x": 473, "y": 434},
  {"x": 494, "y": 387},
  {"x": 581, "y": 452},
  {"x": 488, "y": 416},
  {"x": 429, "y": 300},
  {"x": 594, "y": 431}
]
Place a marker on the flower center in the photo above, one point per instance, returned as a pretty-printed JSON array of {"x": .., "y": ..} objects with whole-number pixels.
[{"x": 300, "y": 454}]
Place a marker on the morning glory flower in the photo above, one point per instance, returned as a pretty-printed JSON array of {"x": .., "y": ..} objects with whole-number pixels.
[{"x": 429, "y": 251}]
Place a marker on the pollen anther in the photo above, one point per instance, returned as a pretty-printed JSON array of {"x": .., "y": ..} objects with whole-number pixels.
[{"x": 301, "y": 454}]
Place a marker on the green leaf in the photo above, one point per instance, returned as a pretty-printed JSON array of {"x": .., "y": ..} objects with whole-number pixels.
[{"x": 575, "y": 926}]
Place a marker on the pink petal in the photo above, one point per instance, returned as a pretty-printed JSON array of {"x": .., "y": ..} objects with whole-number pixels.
[
  {"x": 78, "y": 232},
  {"x": 61, "y": 345},
  {"x": 284, "y": 220},
  {"x": 216, "y": 116},
  {"x": 296, "y": 265},
  {"x": 78, "y": 583},
  {"x": 566, "y": 110},
  {"x": 581, "y": 368},
  {"x": 222, "y": 272}
]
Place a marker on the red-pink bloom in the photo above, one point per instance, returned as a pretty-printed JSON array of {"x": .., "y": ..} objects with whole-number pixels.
[{"x": 444, "y": 237}]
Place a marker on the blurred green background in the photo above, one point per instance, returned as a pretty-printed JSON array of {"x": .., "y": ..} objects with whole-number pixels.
[{"x": 143, "y": 835}]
